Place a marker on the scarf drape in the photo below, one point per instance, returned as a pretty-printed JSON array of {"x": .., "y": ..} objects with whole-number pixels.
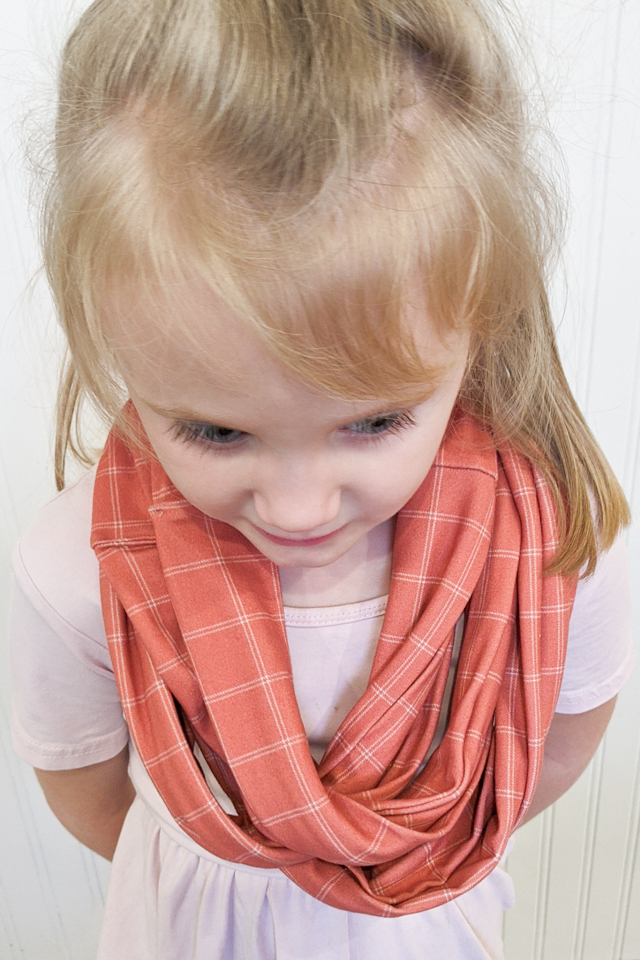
[{"x": 194, "y": 620}]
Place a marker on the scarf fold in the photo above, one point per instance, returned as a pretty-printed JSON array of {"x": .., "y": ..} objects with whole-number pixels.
[{"x": 195, "y": 625}]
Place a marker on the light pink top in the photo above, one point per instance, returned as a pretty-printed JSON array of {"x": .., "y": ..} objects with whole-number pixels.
[{"x": 67, "y": 713}]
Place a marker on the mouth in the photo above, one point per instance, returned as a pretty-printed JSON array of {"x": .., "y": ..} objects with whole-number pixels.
[{"x": 297, "y": 542}]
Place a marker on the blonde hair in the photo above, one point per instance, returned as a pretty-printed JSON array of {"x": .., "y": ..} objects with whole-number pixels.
[{"x": 262, "y": 145}]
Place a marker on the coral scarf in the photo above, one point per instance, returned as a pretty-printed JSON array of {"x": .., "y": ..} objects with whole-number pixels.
[{"x": 195, "y": 625}]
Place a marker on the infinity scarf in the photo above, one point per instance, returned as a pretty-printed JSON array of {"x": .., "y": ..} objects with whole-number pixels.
[{"x": 195, "y": 626}]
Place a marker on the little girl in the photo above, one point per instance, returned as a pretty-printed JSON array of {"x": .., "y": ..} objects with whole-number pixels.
[{"x": 310, "y": 643}]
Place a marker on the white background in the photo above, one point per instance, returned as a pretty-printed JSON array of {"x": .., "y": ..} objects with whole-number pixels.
[{"x": 577, "y": 868}]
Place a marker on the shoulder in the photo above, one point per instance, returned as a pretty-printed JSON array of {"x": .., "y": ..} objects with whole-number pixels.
[
  {"x": 66, "y": 712},
  {"x": 600, "y": 649},
  {"x": 54, "y": 564},
  {"x": 608, "y": 589}
]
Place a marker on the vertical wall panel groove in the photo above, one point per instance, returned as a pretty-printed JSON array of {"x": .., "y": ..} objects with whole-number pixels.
[
  {"x": 632, "y": 445},
  {"x": 18, "y": 823},
  {"x": 542, "y": 905},
  {"x": 586, "y": 873},
  {"x": 629, "y": 866},
  {"x": 601, "y": 170}
]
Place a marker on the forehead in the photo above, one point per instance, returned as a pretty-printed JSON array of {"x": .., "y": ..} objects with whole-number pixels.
[
  {"x": 179, "y": 331},
  {"x": 180, "y": 347},
  {"x": 183, "y": 351}
]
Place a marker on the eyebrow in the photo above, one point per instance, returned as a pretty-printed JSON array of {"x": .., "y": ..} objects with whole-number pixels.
[
  {"x": 177, "y": 413},
  {"x": 192, "y": 416}
]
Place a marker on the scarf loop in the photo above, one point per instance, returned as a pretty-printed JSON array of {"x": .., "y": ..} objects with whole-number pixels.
[{"x": 195, "y": 625}]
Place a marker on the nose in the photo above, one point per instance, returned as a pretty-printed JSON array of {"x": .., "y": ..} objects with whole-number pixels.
[{"x": 297, "y": 497}]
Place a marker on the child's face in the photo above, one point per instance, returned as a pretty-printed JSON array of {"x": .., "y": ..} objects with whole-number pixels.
[{"x": 303, "y": 475}]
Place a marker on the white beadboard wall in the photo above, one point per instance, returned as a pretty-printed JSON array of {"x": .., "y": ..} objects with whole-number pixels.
[{"x": 577, "y": 867}]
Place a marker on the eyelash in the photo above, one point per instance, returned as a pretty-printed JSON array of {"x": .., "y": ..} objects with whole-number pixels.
[
  {"x": 196, "y": 433},
  {"x": 393, "y": 424}
]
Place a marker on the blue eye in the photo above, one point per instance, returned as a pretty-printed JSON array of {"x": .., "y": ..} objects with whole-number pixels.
[
  {"x": 209, "y": 434},
  {"x": 214, "y": 436},
  {"x": 382, "y": 424}
]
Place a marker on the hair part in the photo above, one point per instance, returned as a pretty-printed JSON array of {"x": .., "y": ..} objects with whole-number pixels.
[{"x": 308, "y": 159}]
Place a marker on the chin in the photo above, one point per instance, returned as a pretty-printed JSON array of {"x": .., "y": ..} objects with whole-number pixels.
[
  {"x": 301, "y": 558},
  {"x": 303, "y": 562},
  {"x": 292, "y": 557}
]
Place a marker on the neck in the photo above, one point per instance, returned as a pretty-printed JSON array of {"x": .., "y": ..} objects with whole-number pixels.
[{"x": 363, "y": 573}]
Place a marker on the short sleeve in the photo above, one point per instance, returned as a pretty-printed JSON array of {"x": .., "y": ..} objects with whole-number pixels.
[
  {"x": 66, "y": 712},
  {"x": 600, "y": 650}
]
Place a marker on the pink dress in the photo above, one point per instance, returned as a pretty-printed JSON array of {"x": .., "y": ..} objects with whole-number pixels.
[{"x": 168, "y": 898}]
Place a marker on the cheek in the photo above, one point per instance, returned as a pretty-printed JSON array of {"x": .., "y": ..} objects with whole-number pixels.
[
  {"x": 400, "y": 475},
  {"x": 195, "y": 475},
  {"x": 214, "y": 498},
  {"x": 396, "y": 479},
  {"x": 203, "y": 484}
]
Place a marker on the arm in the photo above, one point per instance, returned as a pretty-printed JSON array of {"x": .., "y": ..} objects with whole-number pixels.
[
  {"x": 91, "y": 802},
  {"x": 571, "y": 743}
]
